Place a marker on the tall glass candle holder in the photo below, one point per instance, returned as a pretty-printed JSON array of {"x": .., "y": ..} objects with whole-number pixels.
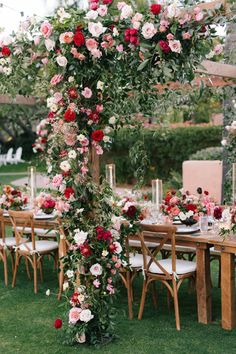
[
  {"x": 111, "y": 175},
  {"x": 157, "y": 194},
  {"x": 32, "y": 184},
  {"x": 233, "y": 183}
]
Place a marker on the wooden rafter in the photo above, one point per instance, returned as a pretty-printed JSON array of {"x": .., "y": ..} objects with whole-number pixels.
[{"x": 217, "y": 69}]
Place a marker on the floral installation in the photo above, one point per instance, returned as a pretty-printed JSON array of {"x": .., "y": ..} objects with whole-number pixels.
[
  {"x": 12, "y": 198},
  {"x": 227, "y": 221},
  {"x": 84, "y": 62},
  {"x": 187, "y": 207},
  {"x": 45, "y": 202}
]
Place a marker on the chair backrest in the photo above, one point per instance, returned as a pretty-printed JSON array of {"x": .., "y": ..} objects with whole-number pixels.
[
  {"x": 20, "y": 220},
  {"x": 159, "y": 234},
  {"x": 18, "y": 154},
  {"x": 9, "y": 154},
  {"x": 2, "y": 226},
  {"x": 205, "y": 174}
]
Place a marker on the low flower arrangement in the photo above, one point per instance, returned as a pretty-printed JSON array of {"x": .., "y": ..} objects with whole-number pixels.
[
  {"x": 45, "y": 202},
  {"x": 227, "y": 225},
  {"x": 12, "y": 198},
  {"x": 187, "y": 207}
]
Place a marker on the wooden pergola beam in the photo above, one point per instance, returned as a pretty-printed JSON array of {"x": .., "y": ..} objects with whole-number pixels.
[
  {"x": 19, "y": 99},
  {"x": 217, "y": 69}
]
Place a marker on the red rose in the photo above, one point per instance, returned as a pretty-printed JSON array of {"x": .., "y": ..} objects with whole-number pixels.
[
  {"x": 107, "y": 2},
  {"x": 69, "y": 115},
  {"x": 155, "y": 9},
  {"x": 206, "y": 192},
  {"x": 131, "y": 211},
  {"x": 85, "y": 250},
  {"x": 97, "y": 135},
  {"x": 51, "y": 115},
  {"x": 112, "y": 248},
  {"x": 68, "y": 192},
  {"x": 72, "y": 92},
  {"x": 43, "y": 140},
  {"x": 191, "y": 207},
  {"x": 6, "y": 51},
  {"x": 58, "y": 323},
  {"x": 94, "y": 116},
  {"x": 164, "y": 46},
  {"x": 79, "y": 39},
  {"x": 218, "y": 213}
]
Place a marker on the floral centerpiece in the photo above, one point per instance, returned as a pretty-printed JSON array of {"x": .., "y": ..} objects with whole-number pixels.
[
  {"x": 187, "y": 207},
  {"x": 12, "y": 199},
  {"x": 45, "y": 202},
  {"x": 227, "y": 223}
]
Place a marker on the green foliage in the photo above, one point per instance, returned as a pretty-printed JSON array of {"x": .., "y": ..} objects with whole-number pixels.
[
  {"x": 167, "y": 149},
  {"x": 211, "y": 153}
]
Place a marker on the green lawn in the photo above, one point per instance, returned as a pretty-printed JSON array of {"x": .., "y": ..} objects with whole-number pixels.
[{"x": 26, "y": 323}]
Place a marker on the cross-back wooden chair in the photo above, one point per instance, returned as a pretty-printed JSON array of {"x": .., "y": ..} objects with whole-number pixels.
[
  {"x": 34, "y": 250},
  {"x": 3, "y": 247},
  {"x": 171, "y": 271}
]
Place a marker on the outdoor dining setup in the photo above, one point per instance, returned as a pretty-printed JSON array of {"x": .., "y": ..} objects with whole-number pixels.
[{"x": 172, "y": 238}]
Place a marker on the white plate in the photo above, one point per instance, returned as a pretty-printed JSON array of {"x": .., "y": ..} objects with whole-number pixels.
[
  {"x": 44, "y": 216},
  {"x": 187, "y": 229},
  {"x": 177, "y": 222}
]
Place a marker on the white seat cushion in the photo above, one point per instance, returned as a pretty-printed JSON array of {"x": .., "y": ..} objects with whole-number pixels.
[
  {"x": 38, "y": 231},
  {"x": 9, "y": 241},
  {"x": 136, "y": 260},
  {"x": 213, "y": 252},
  {"x": 137, "y": 243},
  {"x": 40, "y": 246},
  {"x": 182, "y": 249},
  {"x": 182, "y": 266}
]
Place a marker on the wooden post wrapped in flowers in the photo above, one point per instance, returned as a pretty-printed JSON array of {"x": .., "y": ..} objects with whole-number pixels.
[{"x": 89, "y": 65}]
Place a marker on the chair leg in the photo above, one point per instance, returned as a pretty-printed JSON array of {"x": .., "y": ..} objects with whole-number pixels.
[
  {"x": 154, "y": 294},
  {"x": 129, "y": 293},
  {"x": 15, "y": 270},
  {"x": 176, "y": 304},
  {"x": 35, "y": 273},
  {"x": 27, "y": 267},
  {"x": 219, "y": 275},
  {"x": 12, "y": 260},
  {"x": 169, "y": 299},
  {"x": 5, "y": 268},
  {"x": 41, "y": 271},
  {"x": 142, "y": 303}
]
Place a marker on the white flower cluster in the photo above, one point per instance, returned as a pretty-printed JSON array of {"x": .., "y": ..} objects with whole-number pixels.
[{"x": 5, "y": 66}]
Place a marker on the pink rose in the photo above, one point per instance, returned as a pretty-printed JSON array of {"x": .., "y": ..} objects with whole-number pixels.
[
  {"x": 37, "y": 40},
  {"x": 62, "y": 206},
  {"x": 56, "y": 79},
  {"x": 99, "y": 150},
  {"x": 87, "y": 93},
  {"x": 91, "y": 44},
  {"x": 96, "y": 53},
  {"x": 74, "y": 315},
  {"x": 99, "y": 108},
  {"x": 218, "y": 49},
  {"x": 186, "y": 35},
  {"x": 96, "y": 283},
  {"x": 175, "y": 46},
  {"x": 148, "y": 30},
  {"x": 170, "y": 36},
  {"x": 96, "y": 28},
  {"x": 66, "y": 37},
  {"x": 46, "y": 29},
  {"x": 57, "y": 180},
  {"x": 70, "y": 139},
  {"x": 102, "y": 10},
  {"x": 175, "y": 211},
  {"x": 120, "y": 48},
  {"x": 45, "y": 61},
  {"x": 111, "y": 289}
]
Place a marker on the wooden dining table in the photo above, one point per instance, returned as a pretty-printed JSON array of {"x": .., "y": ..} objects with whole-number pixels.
[{"x": 202, "y": 242}]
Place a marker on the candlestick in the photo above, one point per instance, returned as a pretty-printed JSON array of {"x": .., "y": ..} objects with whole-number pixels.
[
  {"x": 157, "y": 193},
  {"x": 111, "y": 175},
  {"x": 32, "y": 184},
  {"x": 233, "y": 183}
]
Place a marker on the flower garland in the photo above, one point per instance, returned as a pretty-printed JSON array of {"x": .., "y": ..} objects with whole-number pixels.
[{"x": 85, "y": 61}]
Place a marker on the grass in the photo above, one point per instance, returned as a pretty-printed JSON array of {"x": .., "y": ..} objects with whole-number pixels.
[{"x": 26, "y": 322}]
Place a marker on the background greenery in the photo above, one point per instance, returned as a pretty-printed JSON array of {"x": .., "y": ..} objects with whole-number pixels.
[{"x": 166, "y": 149}]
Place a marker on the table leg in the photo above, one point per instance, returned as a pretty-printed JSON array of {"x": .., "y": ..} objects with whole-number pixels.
[
  {"x": 227, "y": 290},
  {"x": 203, "y": 286}
]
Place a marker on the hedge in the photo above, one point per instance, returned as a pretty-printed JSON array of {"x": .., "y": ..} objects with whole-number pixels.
[{"x": 167, "y": 149}]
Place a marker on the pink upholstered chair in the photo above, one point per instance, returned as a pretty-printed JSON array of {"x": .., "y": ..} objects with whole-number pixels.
[{"x": 204, "y": 174}]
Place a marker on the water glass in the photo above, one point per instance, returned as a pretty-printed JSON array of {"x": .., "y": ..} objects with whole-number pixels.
[{"x": 203, "y": 223}]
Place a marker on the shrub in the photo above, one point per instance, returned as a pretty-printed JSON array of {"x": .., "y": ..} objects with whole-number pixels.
[
  {"x": 167, "y": 148},
  {"x": 211, "y": 153}
]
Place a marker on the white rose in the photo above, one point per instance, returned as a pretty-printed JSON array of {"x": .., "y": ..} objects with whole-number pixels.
[
  {"x": 175, "y": 46},
  {"x": 100, "y": 85},
  {"x": 86, "y": 315},
  {"x": 7, "y": 71},
  {"x": 71, "y": 79},
  {"x": 118, "y": 247},
  {"x": 189, "y": 214},
  {"x": 49, "y": 44},
  {"x": 107, "y": 130},
  {"x": 91, "y": 15},
  {"x": 65, "y": 166},
  {"x": 69, "y": 273},
  {"x": 182, "y": 216},
  {"x": 115, "y": 32},
  {"x": 6, "y": 40},
  {"x": 61, "y": 60},
  {"x": 90, "y": 122},
  {"x": 148, "y": 30},
  {"x": 96, "y": 269},
  {"x": 48, "y": 292},
  {"x": 72, "y": 154},
  {"x": 54, "y": 107},
  {"x": 106, "y": 139},
  {"x": 2, "y": 61},
  {"x": 80, "y": 236},
  {"x": 65, "y": 286},
  {"x": 81, "y": 137},
  {"x": 112, "y": 120},
  {"x": 104, "y": 253},
  {"x": 173, "y": 11},
  {"x": 224, "y": 142},
  {"x": 126, "y": 12},
  {"x": 96, "y": 29}
]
